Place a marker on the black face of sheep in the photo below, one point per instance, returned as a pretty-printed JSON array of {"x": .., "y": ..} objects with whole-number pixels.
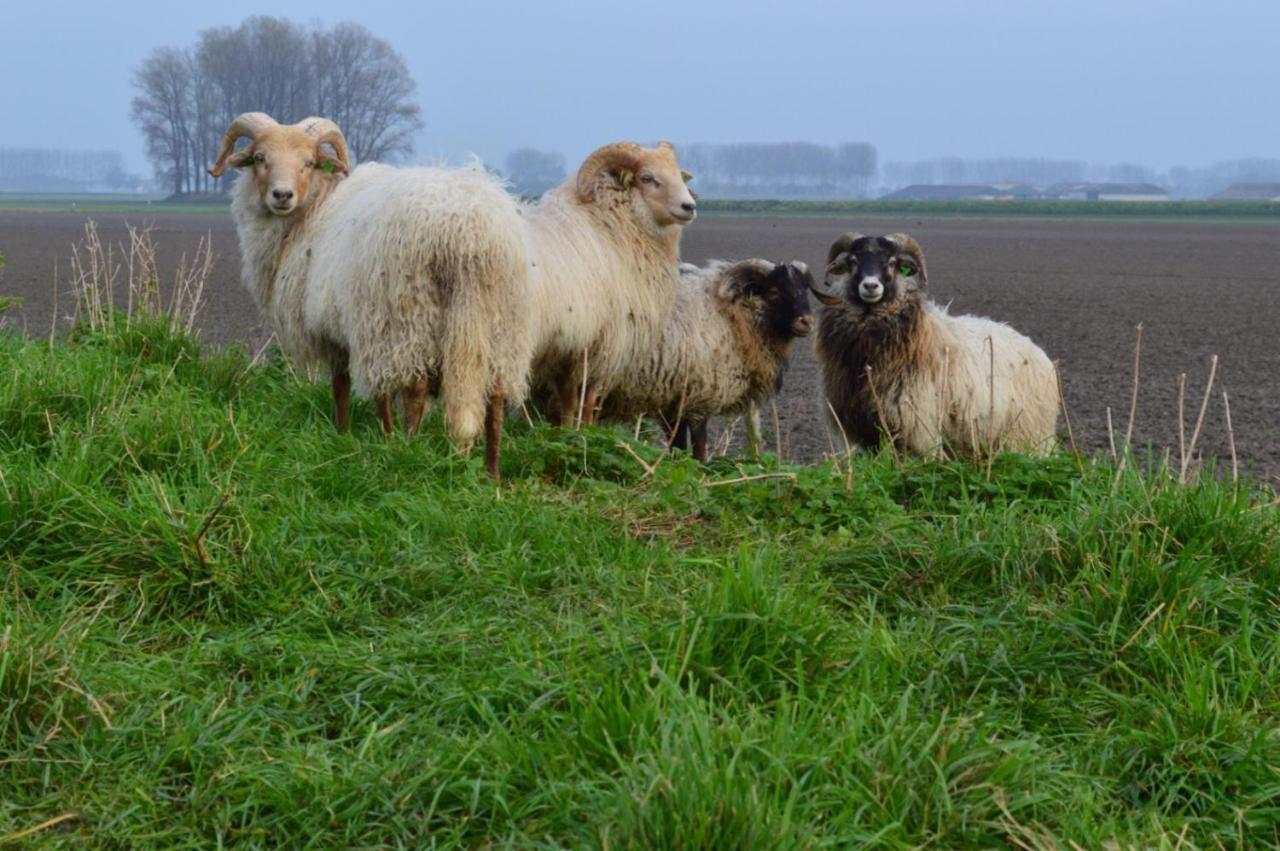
[
  {"x": 781, "y": 295},
  {"x": 872, "y": 273}
]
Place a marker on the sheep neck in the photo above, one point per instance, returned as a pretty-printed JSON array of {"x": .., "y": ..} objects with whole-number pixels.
[
  {"x": 267, "y": 240},
  {"x": 893, "y": 344},
  {"x": 764, "y": 356}
]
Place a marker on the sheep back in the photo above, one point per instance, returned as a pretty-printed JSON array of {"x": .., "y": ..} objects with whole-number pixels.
[
  {"x": 709, "y": 358},
  {"x": 426, "y": 272}
]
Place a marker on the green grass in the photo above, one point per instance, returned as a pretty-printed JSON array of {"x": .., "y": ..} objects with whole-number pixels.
[
  {"x": 1192, "y": 211},
  {"x": 221, "y": 623}
]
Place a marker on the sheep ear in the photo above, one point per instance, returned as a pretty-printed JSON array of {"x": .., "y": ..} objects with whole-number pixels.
[
  {"x": 841, "y": 245},
  {"x": 330, "y": 165},
  {"x": 908, "y": 245},
  {"x": 241, "y": 159}
]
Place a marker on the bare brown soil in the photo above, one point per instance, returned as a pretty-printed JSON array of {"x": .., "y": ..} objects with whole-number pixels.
[{"x": 1078, "y": 288}]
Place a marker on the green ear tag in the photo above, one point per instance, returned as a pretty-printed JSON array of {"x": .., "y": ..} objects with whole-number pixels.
[{"x": 327, "y": 167}]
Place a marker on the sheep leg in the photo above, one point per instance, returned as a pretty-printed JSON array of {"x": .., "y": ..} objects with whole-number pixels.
[
  {"x": 492, "y": 433},
  {"x": 341, "y": 380},
  {"x": 568, "y": 404},
  {"x": 589, "y": 405},
  {"x": 415, "y": 402},
  {"x": 699, "y": 432},
  {"x": 679, "y": 435},
  {"x": 383, "y": 403}
]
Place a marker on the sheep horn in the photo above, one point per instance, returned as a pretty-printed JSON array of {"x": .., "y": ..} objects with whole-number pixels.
[
  {"x": 910, "y": 246},
  {"x": 611, "y": 158},
  {"x": 834, "y": 284},
  {"x": 841, "y": 245},
  {"x": 744, "y": 277},
  {"x": 326, "y": 132},
  {"x": 246, "y": 124}
]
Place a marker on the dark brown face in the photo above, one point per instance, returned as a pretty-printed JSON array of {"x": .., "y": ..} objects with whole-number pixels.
[
  {"x": 872, "y": 271},
  {"x": 782, "y": 295}
]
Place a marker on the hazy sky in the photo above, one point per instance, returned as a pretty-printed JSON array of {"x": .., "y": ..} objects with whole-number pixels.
[{"x": 1159, "y": 82}]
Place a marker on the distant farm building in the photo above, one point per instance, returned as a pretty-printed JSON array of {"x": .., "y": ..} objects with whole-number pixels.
[
  {"x": 963, "y": 192},
  {"x": 1107, "y": 192},
  {"x": 1249, "y": 192}
]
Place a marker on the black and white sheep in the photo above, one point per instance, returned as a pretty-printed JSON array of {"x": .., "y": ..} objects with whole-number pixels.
[
  {"x": 965, "y": 383},
  {"x": 722, "y": 349}
]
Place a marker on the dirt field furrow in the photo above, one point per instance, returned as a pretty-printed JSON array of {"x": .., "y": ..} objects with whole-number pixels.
[{"x": 1078, "y": 288}]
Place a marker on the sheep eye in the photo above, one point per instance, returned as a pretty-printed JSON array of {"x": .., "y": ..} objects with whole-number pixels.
[
  {"x": 311, "y": 164},
  {"x": 906, "y": 270},
  {"x": 649, "y": 178}
]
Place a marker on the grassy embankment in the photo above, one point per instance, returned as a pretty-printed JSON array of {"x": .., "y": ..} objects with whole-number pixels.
[{"x": 221, "y": 622}]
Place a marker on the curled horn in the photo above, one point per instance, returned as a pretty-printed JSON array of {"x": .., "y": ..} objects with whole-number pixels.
[
  {"x": 246, "y": 124},
  {"x": 910, "y": 246},
  {"x": 325, "y": 132},
  {"x": 744, "y": 278},
  {"x": 841, "y": 245},
  {"x": 839, "y": 274},
  {"x": 619, "y": 155}
]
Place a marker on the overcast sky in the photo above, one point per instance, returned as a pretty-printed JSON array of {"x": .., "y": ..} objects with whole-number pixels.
[{"x": 1158, "y": 82}]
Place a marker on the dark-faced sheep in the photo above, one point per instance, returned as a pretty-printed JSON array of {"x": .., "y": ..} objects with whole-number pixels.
[
  {"x": 894, "y": 361},
  {"x": 723, "y": 347}
]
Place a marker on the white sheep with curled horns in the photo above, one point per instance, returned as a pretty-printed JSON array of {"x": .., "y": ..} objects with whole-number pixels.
[{"x": 412, "y": 282}]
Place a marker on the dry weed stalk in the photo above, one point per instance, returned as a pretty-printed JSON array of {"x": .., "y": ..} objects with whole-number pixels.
[
  {"x": 1111, "y": 434},
  {"x": 848, "y": 448},
  {"x": 884, "y": 424},
  {"x": 96, "y": 277},
  {"x": 1182, "y": 427},
  {"x": 1204, "y": 404},
  {"x": 1066, "y": 416},
  {"x": 1231, "y": 439},
  {"x": 757, "y": 477},
  {"x": 582, "y": 396},
  {"x": 777, "y": 430},
  {"x": 991, "y": 390},
  {"x": 1133, "y": 399}
]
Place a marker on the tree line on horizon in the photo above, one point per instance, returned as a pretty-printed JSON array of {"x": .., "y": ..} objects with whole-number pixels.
[{"x": 188, "y": 95}]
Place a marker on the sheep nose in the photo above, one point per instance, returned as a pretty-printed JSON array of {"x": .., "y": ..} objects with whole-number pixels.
[
  {"x": 871, "y": 291},
  {"x": 282, "y": 194},
  {"x": 688, "y": 206},
  {"x": 802, "y": 326}
]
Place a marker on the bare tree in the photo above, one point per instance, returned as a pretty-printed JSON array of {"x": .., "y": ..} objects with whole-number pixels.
[
  {"x": 163, "y": 111},
  {"x": 188, "y": 97},
  {"x": 365, "y": 86}
]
